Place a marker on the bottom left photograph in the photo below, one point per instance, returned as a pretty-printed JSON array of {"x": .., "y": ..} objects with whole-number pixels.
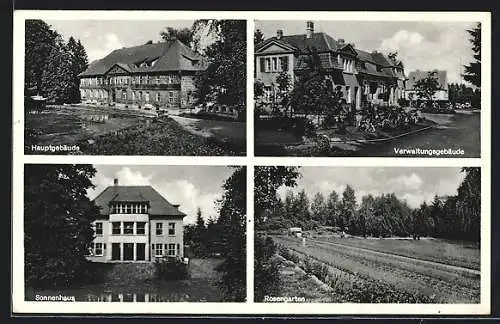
[{"x": 134, "y": 233}]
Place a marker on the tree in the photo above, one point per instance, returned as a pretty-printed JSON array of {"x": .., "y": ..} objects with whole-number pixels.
[
  {"x": 78, "y": 63},
  {"x": 39, "y": 42},
  {"x": 58, "y": 219},
  {"x": 233, "y": 231},
  {"x": 258, "y": 37},
  {"x": 184, "y": 35},
  {"x": 199, "y": 237},
  {"x": 267, "y": 181},
  {"x": 319, "y": 208},
  {"x": 311, "y": 92},
  {"x": 347, "y": 208},
  {"x": 469, "y": 204},
  {"x": 472, "y": 72},
  {"x": 332, "y": 209},
  {"x": 225, "y": 77},
  {"x": 58, "y": 80},
  {"x": 427, "y": 87}
]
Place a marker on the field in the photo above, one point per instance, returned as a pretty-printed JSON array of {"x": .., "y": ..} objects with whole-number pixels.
[
  {"x": 390, "y": 271},
  {"x": 124, "y": 132}
]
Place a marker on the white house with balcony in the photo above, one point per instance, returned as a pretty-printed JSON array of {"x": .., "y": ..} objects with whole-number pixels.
[{"x": 136, "y": 224}]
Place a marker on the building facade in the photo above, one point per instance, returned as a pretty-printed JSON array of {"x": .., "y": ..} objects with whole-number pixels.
[
  {"x": 136, "y": 224},
  {"x": 441, "y": 94},
  {"x": 151, "y": 76},
  {"x": 362, "y": 77}
]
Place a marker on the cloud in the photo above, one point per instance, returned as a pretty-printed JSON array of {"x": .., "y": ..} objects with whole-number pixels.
[
  {"x": 447, "y": 49},
  {"x": 179, "y": 191},
  {"x": 105, "y": 45}
]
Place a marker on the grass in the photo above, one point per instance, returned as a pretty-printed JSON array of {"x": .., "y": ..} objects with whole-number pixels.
[
  {"x": 404, "y": 281},
  {"x": 453, "y": 253},
  {"x": 122, "y": 134}
]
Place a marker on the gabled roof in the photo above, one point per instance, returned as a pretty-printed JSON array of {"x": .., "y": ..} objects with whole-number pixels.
[
  {"x": 158, "y": 205},
  {"x": 321, "y": 41},
  {"x": 171, "y": 55},
  {"x": 414, "y": 76}
]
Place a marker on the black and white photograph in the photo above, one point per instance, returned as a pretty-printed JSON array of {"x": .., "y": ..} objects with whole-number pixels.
[
  {"x": 398, "y": 235},
  {"x": 121, "y": 233},
  {"x": 135, "y": 87},
  {"x": 367, "y": 88}
]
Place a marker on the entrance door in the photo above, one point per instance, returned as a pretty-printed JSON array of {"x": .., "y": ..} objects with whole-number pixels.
[
  {"x": 141, "y": 251},
  {"x": 115, "y": 252},
  {"x": 128, "y": 251},
  {"x": 113, "y": 95}
]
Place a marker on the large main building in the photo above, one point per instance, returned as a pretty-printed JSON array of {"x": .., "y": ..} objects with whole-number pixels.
[
  {"x": 363, "y": 77},
  {"x": 158, "y": 75},
  {"x": 136, "y": 224}
]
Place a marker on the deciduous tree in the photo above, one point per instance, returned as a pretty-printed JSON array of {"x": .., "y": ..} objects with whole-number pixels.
[{"x": 58, "y": 219}]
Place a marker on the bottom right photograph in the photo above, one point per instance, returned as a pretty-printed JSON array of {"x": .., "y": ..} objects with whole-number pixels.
[{"x": 367, "y": 235}]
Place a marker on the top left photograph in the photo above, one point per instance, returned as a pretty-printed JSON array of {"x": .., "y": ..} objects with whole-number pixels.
[{"x": 135, "y": 87}]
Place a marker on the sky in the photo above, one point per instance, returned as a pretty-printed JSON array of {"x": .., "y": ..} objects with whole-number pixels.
[
  {"x": 415, "y": 184},
  {"x": 189, "y": 186},
  {"x": 420, "y": 45},
  {"x": 101, "y": 37}
]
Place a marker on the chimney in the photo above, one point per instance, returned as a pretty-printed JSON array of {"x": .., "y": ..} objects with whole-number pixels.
[
  {"x": 115, "y": 182},
  {"x": 341, "y": 41},
  {"x": 279, "y": 33},
  {"x": 309, "y": 29}
]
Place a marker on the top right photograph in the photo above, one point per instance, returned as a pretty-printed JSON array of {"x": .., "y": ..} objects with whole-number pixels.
[{"x": 367, "y": 88}]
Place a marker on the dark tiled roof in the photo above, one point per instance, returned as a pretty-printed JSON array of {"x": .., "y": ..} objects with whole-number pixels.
[
  {"x": 321, "y": 41},
  {"x": 157, "y": 204},
  {"x": 414, "y": 76},
  {"x": 170, "y": 55}
]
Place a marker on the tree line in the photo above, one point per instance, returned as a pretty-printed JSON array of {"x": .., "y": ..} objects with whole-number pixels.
[
  {"x": 455, "y": 217},
  {"x": 51, "y": 64}
]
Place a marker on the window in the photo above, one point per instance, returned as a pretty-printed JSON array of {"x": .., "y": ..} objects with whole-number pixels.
[
  {"x": 98, "y": 251},
  {"x": 98, "y": 228},
  {"x": 275, "y": 64},
  {"x": 284, "y": 63},
  {"x": 128, "y": 228},
  {"x": 159, "y": 228},
  {"x": 158, "y": 249},
  {"x": 124, "y": 95},
  {"x": 171, "y": 249},
  {"x": 91, "y": 249},
  {"x": 262, "y": 64},
  {"x": 141, "y": 228},
  {"x": 158, "y": 96},
  {"x": 146, "y": 96},
  {"x": 171, "y": 228},
  {"x": 158, "y": 80},
  {"x": 268, "y": 64},
  {"x": 117, "y": 228},
  {"x": 170, "y": 96}
]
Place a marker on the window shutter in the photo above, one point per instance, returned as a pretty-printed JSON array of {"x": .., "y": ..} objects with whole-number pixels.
[
  {"x": 262, "y": 64},
  {"x": 104, "y": 246}
]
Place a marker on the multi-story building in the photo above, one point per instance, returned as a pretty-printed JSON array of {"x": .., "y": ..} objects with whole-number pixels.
[
  {"x": 441, "y": 93},
  {"x": 136, "y": 224},
  {"x": 158, "y": 75},
  {"x": 361, "y": 76}
]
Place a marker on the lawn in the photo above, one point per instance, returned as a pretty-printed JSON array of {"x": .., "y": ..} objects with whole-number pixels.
[
  {"x": 460, "y": 254},
  {"x": 124, "y": 133}
]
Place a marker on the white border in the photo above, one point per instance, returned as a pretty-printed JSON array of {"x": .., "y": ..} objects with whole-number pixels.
[{"x": 19, "y": 159}]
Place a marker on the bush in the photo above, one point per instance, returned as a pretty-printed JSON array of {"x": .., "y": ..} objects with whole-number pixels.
[
  {"x": 266, "y": 273},
  {"x": 403, "y": 102},
  {"x": 437, "y": 110},
  {"x": 170, "y": 269}
]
